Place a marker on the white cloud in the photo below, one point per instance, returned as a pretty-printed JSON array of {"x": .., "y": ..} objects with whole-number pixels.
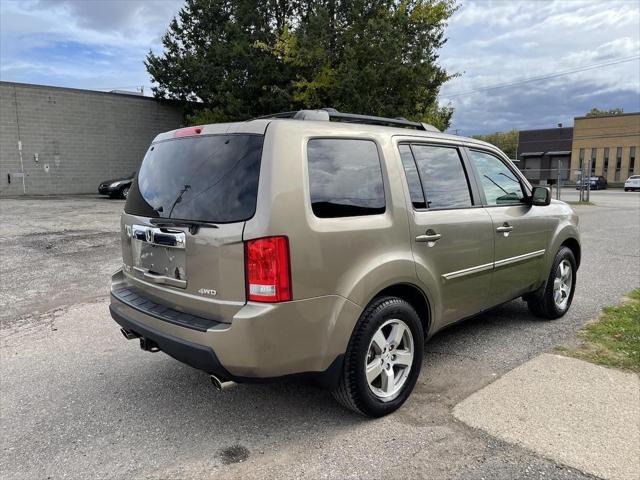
[
  {"x": 501, "y": 42},
  {"x": 102, "y": 44},
  {"x": 82, "y": 43}
]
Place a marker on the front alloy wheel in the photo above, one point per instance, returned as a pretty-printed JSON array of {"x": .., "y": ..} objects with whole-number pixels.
[
  {"x": 562, "y": 284},
  {"x": 554, "y": 298}
]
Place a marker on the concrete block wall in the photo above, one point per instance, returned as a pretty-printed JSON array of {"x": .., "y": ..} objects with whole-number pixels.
[{"x": 74, "y": 139}]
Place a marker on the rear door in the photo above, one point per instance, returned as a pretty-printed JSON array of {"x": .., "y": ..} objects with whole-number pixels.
[
  {"x": 452, "y": 235},
  {"x": 520, "y": 231},
  {"x": 183, "y": 222}
]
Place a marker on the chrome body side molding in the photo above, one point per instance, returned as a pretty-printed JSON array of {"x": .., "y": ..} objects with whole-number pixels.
[{"x": 490, "y": 266}]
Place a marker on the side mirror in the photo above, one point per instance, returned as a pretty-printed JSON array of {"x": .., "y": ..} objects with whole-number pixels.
[{"x": 541, "y": 196}]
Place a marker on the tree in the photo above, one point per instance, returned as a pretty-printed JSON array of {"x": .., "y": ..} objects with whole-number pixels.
[
  {"x": 244, "y": 58},
  {"x": 211, "y": 55},
  {"x": 596, "y": 112},
  {"x": 370, "y": 57},
  {"x": 505, "y": 141}
]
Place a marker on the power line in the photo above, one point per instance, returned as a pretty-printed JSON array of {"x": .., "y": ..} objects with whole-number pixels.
[{"x": 544, "y": 77}]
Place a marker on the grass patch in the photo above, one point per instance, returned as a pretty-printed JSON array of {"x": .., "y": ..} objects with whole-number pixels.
[{"x": 614, "y": 338}]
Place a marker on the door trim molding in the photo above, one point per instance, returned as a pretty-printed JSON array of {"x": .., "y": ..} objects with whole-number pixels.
[
  {"x": 517, "y": 259},
  {"x": 492, "y": 266},
  {"x": 467, "y": 271}
]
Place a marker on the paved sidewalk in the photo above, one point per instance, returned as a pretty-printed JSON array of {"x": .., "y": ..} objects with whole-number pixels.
[{"x": 579, "y": 414}]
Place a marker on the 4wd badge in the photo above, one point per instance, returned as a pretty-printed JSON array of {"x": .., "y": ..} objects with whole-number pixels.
[{"x": 207, "y": 291}]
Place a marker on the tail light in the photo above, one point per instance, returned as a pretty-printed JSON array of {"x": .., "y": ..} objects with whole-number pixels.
[{"x": 268, "y": 271}]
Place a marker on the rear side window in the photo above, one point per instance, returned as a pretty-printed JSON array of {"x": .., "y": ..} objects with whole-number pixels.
[
  {"x": 444, "y": 179},
  {"x": 212, "y": 178},
  {"x": 345, "y": 178}
]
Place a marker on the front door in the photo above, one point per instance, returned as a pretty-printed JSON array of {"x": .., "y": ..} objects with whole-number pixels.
[
  {"x": 520, "y": 230},
  {"x": 452, "y": 235}
]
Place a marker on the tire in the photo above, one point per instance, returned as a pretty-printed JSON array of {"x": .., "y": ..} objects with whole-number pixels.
[
  {"x": 354, "y": 390},
  {"x": 124, "y": 193},
  {"x": 542, "y": 303},
  {"x": 626, "y": 189}
]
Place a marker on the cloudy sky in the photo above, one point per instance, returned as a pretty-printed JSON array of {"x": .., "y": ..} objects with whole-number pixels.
[{"x": 522, "y": 64}]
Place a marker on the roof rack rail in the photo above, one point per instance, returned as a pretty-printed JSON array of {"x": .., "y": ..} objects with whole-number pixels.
[{"x": 328, "y": 114}]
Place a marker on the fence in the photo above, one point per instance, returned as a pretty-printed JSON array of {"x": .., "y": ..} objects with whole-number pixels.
[{"x": 554, "y": 178}]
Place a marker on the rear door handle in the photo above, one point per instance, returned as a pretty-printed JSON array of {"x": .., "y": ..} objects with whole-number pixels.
[{"x": 429, "y": 237}]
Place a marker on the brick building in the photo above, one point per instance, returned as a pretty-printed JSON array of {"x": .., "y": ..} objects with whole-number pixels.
[
  {"x": 65, "y": 141},
  {"x": 612, "y": 143}
]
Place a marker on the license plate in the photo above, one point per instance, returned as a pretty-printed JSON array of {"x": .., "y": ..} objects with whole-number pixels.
[{"x": 159, "y": 255}]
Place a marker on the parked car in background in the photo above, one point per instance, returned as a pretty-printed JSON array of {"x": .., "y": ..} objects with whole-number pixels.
[
  {"x": 597, "y": 183},
  {"x": 118, "y": 187},
  {"x": 632, "y": 184},
  {"x": 332, "y": 249}
]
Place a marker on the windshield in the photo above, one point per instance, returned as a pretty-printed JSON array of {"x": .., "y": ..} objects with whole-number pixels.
[{"x": 212, "y": 178}]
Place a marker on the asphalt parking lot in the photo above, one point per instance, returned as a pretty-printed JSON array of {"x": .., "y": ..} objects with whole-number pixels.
[{"x": 79, "y": 401}]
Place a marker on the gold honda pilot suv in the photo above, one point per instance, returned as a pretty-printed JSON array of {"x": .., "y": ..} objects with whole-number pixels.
[{"x": 330, "y": 245}]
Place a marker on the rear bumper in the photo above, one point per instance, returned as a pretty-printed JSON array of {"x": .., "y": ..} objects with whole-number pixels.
[
  {"x": 261, "y": 343},
  {"x": 197, "y": 356}
]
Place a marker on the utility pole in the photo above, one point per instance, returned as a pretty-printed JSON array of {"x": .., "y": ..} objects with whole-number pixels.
[
  {"x": 559, "y": 181},
  {"x": 589, "y": 178}
]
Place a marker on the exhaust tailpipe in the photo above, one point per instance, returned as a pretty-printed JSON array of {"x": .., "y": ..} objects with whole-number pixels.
[
  {"x": 148, "y": 345},
  {"x": 128, "y": 334},
  {"x": 220, "y": 384}
]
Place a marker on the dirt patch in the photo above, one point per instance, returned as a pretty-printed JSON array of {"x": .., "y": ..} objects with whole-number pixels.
[
  {"x": 234, "y": 454},
  {"x": 68, "y": 242}
]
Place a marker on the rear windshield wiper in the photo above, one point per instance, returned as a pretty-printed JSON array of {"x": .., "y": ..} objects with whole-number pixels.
[{"x": 193, "y": 225}]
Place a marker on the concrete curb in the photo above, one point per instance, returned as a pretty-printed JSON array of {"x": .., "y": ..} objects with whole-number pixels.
[{"x": 573, "y": 412}]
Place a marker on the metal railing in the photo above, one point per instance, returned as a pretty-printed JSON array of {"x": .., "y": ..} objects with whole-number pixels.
[
  {"x": 554, "y": 178},
  {"x": 557, "y": 179}
]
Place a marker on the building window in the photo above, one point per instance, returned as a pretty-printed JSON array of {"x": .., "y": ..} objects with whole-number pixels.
[
  {"x": 593, "y": 161},
  {"x": 618, "y": 163},
  {"x": 606, "y": 162},
  {"x": 632, "y": 160}
]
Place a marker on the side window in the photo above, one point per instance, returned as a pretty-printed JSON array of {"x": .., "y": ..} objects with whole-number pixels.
[
  {"x": 500, "y": 185},
  {"x": 443, "y": 176},
  {"x": 345, "y": 178},
  {"x": 413, "y": 179}
]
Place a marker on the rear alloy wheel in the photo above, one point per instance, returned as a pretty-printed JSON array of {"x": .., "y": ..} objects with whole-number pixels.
[
  {"x": 383, "y": 359},
  {"x": 124, "y": 192},
  {"x": 389, "y": 359},
  {"x": 554, "y": 298}
]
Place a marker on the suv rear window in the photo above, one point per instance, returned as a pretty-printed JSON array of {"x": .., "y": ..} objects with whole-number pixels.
[
  {"x": 345, "y": 178},
  {"x": 211, "y": 178}
]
